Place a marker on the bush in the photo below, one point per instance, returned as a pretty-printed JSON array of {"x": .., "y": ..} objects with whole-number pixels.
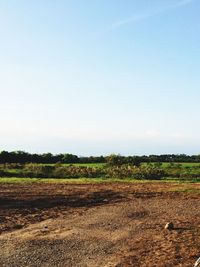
[
  {"x": 127, "y": 171},
  {"x": 38, "y": 171},
  {"x": 77, "y": 172},
  {"x": 151, "y": 173}
]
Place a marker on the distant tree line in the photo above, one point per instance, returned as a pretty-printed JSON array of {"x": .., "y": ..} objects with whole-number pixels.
[{"x": 48, "y": 158}]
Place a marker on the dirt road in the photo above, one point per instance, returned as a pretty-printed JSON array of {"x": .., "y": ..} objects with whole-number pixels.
[{"x": 98, "y": 225}]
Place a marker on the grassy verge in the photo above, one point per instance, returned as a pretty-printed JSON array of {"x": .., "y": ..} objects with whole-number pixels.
[
  {"x": 92, "y": 180},
  {"x": 70, "y": 180},
  {"x": 185, "y": 190}
]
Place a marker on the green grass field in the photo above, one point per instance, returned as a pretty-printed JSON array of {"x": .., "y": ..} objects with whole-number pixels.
[
  {"x": 96, "y": 165},
  {"x": 183, "y": 164},
  {"x": 164, "y": 164}
]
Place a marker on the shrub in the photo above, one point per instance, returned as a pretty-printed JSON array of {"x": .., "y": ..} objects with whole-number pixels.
[
  {"x": 40, "y": 171},
  {"x": 152, "y": 173},
  {"x": 77, "y": 172}
]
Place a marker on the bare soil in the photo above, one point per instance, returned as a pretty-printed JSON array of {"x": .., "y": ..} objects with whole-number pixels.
[{"x": 102, "y": 225}]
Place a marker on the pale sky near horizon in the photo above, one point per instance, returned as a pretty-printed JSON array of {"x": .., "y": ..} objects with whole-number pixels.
[{"x": 94, "y": 77}]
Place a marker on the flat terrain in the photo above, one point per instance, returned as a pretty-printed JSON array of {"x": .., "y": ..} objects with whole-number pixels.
[{"x": 102, "y": 225}]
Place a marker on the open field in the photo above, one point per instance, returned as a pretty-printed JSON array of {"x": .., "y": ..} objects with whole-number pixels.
[
  {"x": 107, "y": 224},
  {"x": 182, "y": 164},
  {"x": 96, "y": 165},
  {"x": 100, "y": 165}
]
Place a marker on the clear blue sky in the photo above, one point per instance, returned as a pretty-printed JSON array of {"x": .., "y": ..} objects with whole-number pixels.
[{"x": 95, "y": 77}]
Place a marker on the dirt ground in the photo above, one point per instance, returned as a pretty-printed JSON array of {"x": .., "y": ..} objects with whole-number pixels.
[{"x": 102, "y": 225}]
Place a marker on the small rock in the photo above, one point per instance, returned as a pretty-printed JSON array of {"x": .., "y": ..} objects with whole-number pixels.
[
  {"x": 169, "y": 226},
  {"x": 197, "y": 263}
]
